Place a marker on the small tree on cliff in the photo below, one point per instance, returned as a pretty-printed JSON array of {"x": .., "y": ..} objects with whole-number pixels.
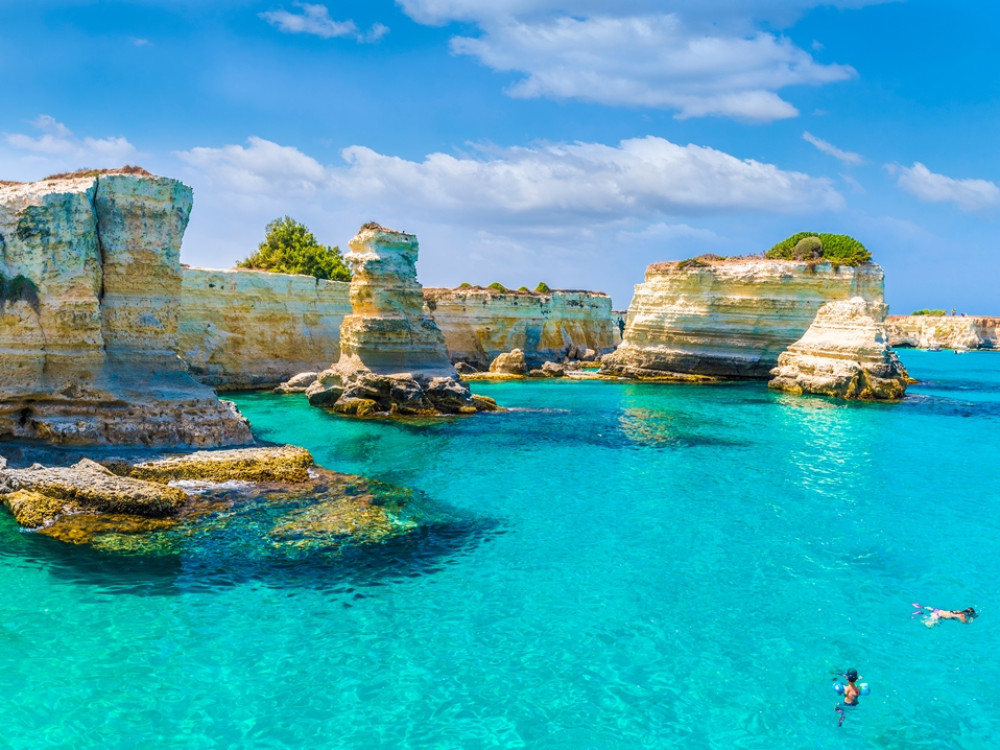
[{"x": 289, "y": 247}]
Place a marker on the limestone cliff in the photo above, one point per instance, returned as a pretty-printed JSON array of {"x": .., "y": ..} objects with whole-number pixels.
[
  {"x": 88, "y": 325},
  {"x": 253, "y": 329},
  {"x": 944, "y": 332},
  {"x": 845, "y": 353},
  {"x": 729, "y": 318},
  {"x": 392, "y": 356},
  {"x": 479, "y": 324}
]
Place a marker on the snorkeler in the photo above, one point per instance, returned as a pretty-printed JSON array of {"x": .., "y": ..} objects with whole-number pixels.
[
  {"x": 850, "y": 691},
  {"x": 933, "y": 615}
]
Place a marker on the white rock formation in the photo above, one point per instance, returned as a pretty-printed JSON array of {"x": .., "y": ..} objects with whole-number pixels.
[
  {"x": 254, "y": 329},
  {"x": 392, "y": 356},
  {"x": 728, "y": 318},
  {"x": 845, "y": 353},
  {"x": 88, "y": 330},
  {"x": 481, "y": 323},
  {"x": 944, "y": 332}
]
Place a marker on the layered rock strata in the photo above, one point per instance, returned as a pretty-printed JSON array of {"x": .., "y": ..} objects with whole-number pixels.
[
  {"x": 392, "y": 356},
  {"x": 253, "y": 329},
  {"x": 480, "y": 324},
  {"x": 88, "y": 327},
  {"x": 944, "y": 332},
  {"x": 728, "y": 318},
  {"x": 845, "y": 353}
]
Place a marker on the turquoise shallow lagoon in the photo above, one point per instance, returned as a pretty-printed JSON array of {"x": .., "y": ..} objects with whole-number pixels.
[{"x": 612, "y": 566}]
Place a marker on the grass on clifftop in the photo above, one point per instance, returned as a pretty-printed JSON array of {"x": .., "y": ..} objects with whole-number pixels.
[{"x": 839, "y": 249}]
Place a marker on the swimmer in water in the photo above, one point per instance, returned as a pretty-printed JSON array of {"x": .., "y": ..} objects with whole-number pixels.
[
  {"x": 933, "y": 615},
  {"x": 851, "y": 693}
]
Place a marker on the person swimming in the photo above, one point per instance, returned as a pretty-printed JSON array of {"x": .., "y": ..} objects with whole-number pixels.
[
  {"x": 932, "y": 615},
  {"x": 850, "y": 691}
]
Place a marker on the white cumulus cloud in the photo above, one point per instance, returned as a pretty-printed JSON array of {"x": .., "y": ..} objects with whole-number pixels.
[
  {"x": 316, "y": 20},
  {"x": 700, "y": 59},
  {"x": 55, "y": 143},
  {"x": 539, "y": 185},
  {"x": 967, "y": 194},
  {"x": 848, "y": 157}
]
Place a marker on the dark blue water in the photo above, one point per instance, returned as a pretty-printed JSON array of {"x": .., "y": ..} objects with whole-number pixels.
[{"x": 609, "y": 566}]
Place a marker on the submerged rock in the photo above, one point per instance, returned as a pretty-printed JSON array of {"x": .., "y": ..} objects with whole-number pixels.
[{"x": 275, "y": 494}]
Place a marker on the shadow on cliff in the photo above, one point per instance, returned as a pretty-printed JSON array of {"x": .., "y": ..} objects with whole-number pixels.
[{"x": 237, "y": 555}]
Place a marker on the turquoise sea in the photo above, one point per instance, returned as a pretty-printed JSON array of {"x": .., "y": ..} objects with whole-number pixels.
[{"x": 609, "y": 566}]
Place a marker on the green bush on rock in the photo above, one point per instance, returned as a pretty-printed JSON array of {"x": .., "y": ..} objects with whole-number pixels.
[
  {"x": 497, "y": 287},
  {"x": 839, "y": 249},
  {"x": 542, "y": 288},
  {"x": 289, "y": 247},
  {"x": 925, "y": 311}
]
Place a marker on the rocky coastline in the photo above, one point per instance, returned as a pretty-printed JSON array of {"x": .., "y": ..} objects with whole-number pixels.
[{"x": 956, "y": 332}]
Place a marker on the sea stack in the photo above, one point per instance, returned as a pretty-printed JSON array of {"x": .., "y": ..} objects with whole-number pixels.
[
  {"x": 91, "y": 289},
  {"x": 845, "y": 353},
  {"x": 729, "y": 318},
  {"x": 393, "y": 358}
]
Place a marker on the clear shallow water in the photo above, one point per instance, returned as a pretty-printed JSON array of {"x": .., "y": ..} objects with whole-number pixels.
[{"x": 623, "y": 566}]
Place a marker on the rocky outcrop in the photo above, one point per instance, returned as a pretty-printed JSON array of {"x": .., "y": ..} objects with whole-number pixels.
[
  {"x": 479, "y": 324},
  {"x": 254, "y": 329},
  {"x": 845, "y": 353},
  {"x": 944, "y": 332},
  {"x": 161, "y": 505},
  {"x": 88, "y": 326},
  {"x": 393, "y": 358},
  {"x": 729, "y": 318},
  {"x": 509, "y": 363}
]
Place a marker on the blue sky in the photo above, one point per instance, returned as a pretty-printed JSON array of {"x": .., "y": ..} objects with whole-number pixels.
[{"x": 537, "y": 140}]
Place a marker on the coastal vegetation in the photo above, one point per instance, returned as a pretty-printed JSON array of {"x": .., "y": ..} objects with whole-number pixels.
[
  {"x": 700, "y": 261},
  {"x": 497, "y": 287},
  {"x": 925, "y": 311},
  {"x": 542, "y": 288},
  {"x": 289, "y": 247},
  {"x": 839, "y": 249}
]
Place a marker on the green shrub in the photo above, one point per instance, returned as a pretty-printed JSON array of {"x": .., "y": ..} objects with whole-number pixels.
[
  {"x": 497, "y": 286},
  {"x": 542, "y": 288},
  {"x": 523, "y": 289},
  {"x": 465, "y": 285},
  {"x": 839, "y": 249},
  {"x": 289, "y": 247},
  {"x": 925, "y": 311}
]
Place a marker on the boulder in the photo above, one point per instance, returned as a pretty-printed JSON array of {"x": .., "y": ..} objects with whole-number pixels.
[{"x": 509, "y": 363}]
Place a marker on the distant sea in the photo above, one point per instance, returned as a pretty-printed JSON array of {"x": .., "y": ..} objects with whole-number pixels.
[{"x": 606, "y": 565}]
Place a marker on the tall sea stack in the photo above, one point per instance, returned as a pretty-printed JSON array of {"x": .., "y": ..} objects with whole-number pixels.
[
  {"x": 393, "y": 358},
  {"x": 88, "y": 330}
]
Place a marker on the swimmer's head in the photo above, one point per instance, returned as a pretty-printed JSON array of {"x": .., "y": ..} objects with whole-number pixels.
[
  {"x": 970, "y": 613},
  {"x": 851, "y": 675}
]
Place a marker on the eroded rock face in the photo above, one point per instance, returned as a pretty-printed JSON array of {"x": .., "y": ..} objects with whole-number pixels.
[
  {"x": 943, "y": 331},
  {"x": 845, "y": 353},
  {"x": 730, "y": 318},
  {"x": 89, "y": 339},
  {"x": 480, "y": 324},
  {"x": 393, "y": 358},
  {"x": 254, "y": 329}
]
